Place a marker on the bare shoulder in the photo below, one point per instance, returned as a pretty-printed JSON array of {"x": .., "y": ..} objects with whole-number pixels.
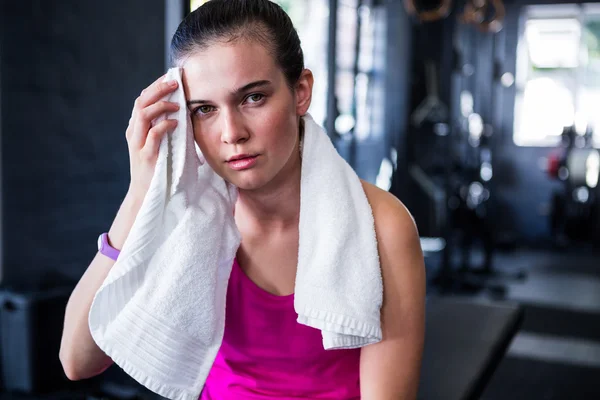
[
  {"x": 398, "y": 241},
  {"x": 390, "y": 369},
  {"x": 392, "y": 218}
]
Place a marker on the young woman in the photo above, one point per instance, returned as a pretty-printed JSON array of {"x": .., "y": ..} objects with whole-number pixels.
[{"x": 247, "y": 89}]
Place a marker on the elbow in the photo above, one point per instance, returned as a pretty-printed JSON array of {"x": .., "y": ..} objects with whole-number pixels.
[
  {"x": 72, "y": 375},
  {"x": 76, "y": 368},
  {"x": 69, "y": 367}
]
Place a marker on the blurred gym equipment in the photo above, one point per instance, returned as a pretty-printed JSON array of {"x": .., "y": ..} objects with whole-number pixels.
[
  {"x": 30, "y": 339},
  {"x": 455, "y": 183},
  {"x": 431, "y": 109},
  {"x": 469, "y": 183},
  {"x": 486, "y": 18},
  {"x": 575, "y": 207},
  {"x": 467, "y": 178},
  {"x": 427, "y": 11},
  {"x": 30, "y": 333}
]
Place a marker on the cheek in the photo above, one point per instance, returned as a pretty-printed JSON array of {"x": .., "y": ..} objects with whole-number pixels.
[
  {"x": 206, "y": 147},
  {"x": 200, "y": 142},
  {"x": 280, "y": 127}
]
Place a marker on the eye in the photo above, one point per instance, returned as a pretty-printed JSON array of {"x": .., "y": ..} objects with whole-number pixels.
[
  {"x": 203, "y": 110},
  {"x": 255, "y": 97}
]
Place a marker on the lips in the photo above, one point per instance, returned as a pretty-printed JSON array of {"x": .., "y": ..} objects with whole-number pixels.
[
  {"x": 240, "y": 157},
  {"x": 242, "y": 162}
]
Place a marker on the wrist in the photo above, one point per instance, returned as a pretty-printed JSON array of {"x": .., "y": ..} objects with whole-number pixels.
[
  {"x": 124, "y": 220},
  {"x": 133, "y": 202}
]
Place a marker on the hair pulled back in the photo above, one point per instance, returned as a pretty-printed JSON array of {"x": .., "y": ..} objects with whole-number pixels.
[{"x": 226, "y": 21}]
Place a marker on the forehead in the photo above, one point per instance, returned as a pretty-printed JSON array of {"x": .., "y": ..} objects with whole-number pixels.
[{"x": 227, "y": 66}]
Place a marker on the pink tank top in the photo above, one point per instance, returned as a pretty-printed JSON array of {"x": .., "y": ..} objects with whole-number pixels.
[{"x": 266, "y": 354}]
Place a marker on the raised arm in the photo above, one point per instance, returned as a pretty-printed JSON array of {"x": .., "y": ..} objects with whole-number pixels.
[{"x": 81, "y": 358}]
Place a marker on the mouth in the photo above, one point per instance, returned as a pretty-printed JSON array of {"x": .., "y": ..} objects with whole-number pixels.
[
  {"x": 242, "y": 161},
  {"x": 241, "y": 157}
]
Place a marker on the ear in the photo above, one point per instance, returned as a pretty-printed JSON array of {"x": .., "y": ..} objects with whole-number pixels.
[{"x": 304, "y": 92}]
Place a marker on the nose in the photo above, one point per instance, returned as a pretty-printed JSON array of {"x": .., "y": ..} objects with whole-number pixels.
[{"x": 234, "y": 131}]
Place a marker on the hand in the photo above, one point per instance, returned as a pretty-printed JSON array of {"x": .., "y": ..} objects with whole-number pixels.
[{"x": 143, "y": 139}]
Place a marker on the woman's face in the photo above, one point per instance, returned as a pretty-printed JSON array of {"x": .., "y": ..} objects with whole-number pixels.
[{"x": 245, "y": 116}]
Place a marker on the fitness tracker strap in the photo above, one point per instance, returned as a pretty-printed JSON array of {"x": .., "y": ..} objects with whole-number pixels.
[{"x": 105, "y": 248}]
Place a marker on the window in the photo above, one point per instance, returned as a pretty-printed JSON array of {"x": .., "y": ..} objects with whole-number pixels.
[{"x": 558, "y": 73}]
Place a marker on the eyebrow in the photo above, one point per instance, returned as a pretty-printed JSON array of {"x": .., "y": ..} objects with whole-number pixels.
[{"x": 238, "y": 91}]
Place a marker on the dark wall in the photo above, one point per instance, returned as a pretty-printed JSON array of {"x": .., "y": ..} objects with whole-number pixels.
[{"x": 70, "y": 72}]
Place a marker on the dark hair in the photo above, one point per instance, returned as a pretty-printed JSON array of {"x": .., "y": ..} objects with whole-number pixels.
[{"x": 230, "y": 20}]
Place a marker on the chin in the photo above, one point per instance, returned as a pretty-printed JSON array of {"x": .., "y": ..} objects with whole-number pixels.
[
  {"x": 247, "y": 181},
  {"x": 246, "y": 184},
  {"x": 247, "y": 187}
]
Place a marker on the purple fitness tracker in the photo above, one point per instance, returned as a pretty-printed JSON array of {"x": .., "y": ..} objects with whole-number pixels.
[{"x": 105, "y": 248}]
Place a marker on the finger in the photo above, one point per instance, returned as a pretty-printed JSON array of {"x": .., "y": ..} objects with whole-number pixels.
[
  {"x": 144, "y": 118},
  {"x": 139, "y": 104},
  {"x": 159, "y": 80},
  {"x": 155, "y": 110},
  {"x": 155, "y": 135},
  {"x": 155, "y": 92},
  {"x": 130, "y": 127}
]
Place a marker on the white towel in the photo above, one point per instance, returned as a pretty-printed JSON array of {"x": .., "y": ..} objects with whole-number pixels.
[
  {"x": 160, "y": 313},
  {"x": 338, "y": 283}
]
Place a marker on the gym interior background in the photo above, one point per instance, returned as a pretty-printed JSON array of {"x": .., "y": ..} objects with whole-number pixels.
[{"x": 478, "y": 114}]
